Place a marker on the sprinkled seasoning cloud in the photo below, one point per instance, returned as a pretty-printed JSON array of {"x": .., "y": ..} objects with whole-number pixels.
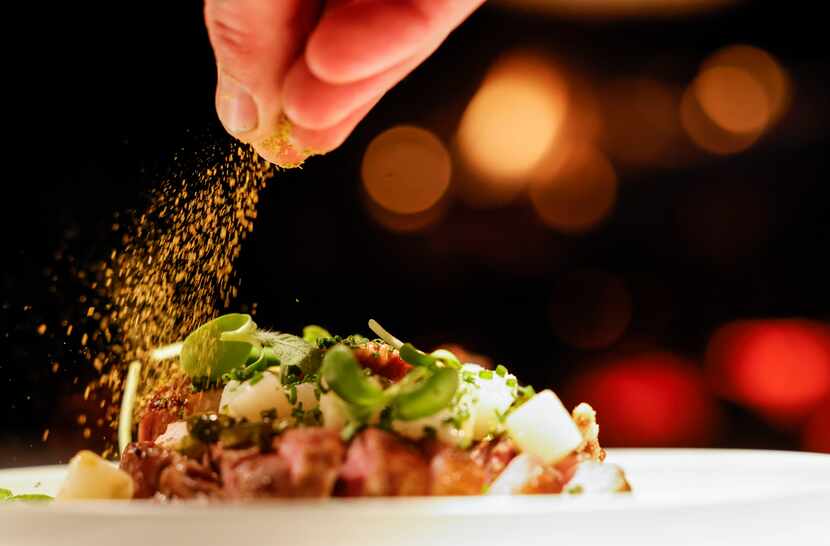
[{"x": 173, "y": 271}]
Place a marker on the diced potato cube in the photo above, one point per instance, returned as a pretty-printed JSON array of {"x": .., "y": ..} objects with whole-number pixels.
[
  {"x": 91, "y": 477},
  {"x": 544, "y": 429}
]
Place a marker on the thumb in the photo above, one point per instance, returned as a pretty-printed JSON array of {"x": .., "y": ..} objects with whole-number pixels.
[{"x": 254, "y": 42}]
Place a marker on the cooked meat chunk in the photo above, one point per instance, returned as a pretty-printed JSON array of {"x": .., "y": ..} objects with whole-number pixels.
[
  {"x": 382, "y": 360},
  {"x": 586, "y": 420},
  {"x": 380, "y": 464},
  {"x": 154, "y": 423},
  {"x": 202, "y": 402},
  {"x": 145, "y": 461},
  {"x": 189, "y": 479},
  {"x": 314, "y": 457},
  {"x": 454, "y": 472},
  {"x": 249, "y": 474},
  {"x": 493, "y": 456},
  {"x": 305, "y": 463}
]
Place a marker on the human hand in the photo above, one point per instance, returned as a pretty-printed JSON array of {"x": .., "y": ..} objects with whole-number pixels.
[{"x": 297, "y": 76}]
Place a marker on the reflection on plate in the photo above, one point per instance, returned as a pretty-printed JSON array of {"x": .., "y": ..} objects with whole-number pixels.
[{"x": 681, "y": 497}]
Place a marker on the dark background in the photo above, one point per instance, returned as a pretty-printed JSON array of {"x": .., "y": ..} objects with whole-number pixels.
[{"x": 109, "y": 100}]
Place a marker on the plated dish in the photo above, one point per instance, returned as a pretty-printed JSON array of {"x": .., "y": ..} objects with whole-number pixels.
[{"x": 257, "y": 414}]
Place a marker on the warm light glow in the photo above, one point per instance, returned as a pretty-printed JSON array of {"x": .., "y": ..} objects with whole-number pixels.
[
  {"x": 733, "y": 99},
  {"x": 740, "y": 92},
  {"x": 514, "y": 119},
  {"x": 407, "y": 223},
  {"x": 581, "y": 193},
  {"x": 590, "y": 309},
  {"x": 642, "y": 124},
  {"x": 781, "y": 367},
  {"x": 406, "y": 170},
  {"x": 650, "y": 399},
  {"x": 706, "y": 134},
  {"x": 764, "y": 70}
]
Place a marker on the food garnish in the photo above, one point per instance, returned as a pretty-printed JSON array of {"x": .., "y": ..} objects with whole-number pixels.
[{"x": 266, "y": 414}]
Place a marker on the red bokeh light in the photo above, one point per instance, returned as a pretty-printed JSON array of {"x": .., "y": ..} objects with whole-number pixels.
[
  {"x": 778, "y": 367},
  {"x": 817, "y": 431},
  {"x": 649, "y": 399}
]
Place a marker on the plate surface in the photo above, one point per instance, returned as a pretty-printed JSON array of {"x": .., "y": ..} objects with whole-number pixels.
[{"x": 680, "y": 497}]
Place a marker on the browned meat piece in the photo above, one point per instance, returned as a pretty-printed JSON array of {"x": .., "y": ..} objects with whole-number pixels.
[
  {"x": 202, "y": 402},
  {"x": 249, "y": 474},
  {"x": 189, "y": 479},
  {"x": 154, "y": 423},
  {"x": 382, "y": 360},
  {"x": 586, "y": 420},
  {"x": 552, "y": 478},
  {"x": 314, "y": 457},
  {"x": 144, "y": 462},
  {"x": 306, "y": 463},
  {"x": 380, "y": 464},
  {"x": 454, "y": 472},
  {"x": 493, "y": 456}
]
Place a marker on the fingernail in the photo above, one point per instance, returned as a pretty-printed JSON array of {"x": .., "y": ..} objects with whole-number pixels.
[{"x": 235, "y": 106}]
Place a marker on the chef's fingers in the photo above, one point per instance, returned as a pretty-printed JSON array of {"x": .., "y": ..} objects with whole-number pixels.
[
  {"x": 297, "y": 142},
  {"x": 357, "y": 40},
  {"x": 255, "y": 41}
]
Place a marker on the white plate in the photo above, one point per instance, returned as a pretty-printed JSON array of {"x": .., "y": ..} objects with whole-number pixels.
[{"x": 680, "y": 497}]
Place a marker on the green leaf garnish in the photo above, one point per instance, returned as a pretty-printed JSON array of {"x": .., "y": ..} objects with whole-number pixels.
[
  {"x": 343, "y": 374},
  {"x": 4, "y": 494},
  {"x": 291, "y": 350},
  {"x": 29, "y": 497},
  {"x": 219, "y": 346},
  {"x": 429, "y": 397},
  {"x": 313, "y": 334}
]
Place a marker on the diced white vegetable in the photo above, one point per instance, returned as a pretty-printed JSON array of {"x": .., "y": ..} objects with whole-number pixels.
[
  {"x": 594, "y": 477},
  {"x": 335, "y": 411},
  {"x": 544, "y": 429},
  {"x": 492, "y": 399},
  {"x": 306, "y": 396},
  {"x": 91, "y": 477},
  {"x": 249, "y": 399},
  {"x": 173, "y": 435},
  {"x": 246, "y": 400},
  {"x": 515, "y": 475}
]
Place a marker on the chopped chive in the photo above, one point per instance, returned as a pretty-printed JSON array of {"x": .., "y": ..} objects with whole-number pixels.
[
  {"x": 501, "y": 371},
  {"x": 511, "y": 382},
  {"x": 486, "y": 374}
]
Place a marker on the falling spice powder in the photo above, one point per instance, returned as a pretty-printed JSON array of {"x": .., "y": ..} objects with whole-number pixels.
[{"x": 174, "y": 270}]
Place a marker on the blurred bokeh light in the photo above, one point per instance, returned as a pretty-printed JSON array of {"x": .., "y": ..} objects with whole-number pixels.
[
  {"x": 780, "y": 368},
  {"x": 765, "y": 72},
  {"x": 649, "y": 399},
  {"x": 733, "y": 99},
  {"x": 406, "y": 170},
  {"x": 817, "y": 430},
  {"x": 590, "y": 309},
  {"x": 642, "y": 123},
  {"x": 512, "y": 123},
  {"x": 739, "y": 93},
  {"x": 580, "y": 194}
]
